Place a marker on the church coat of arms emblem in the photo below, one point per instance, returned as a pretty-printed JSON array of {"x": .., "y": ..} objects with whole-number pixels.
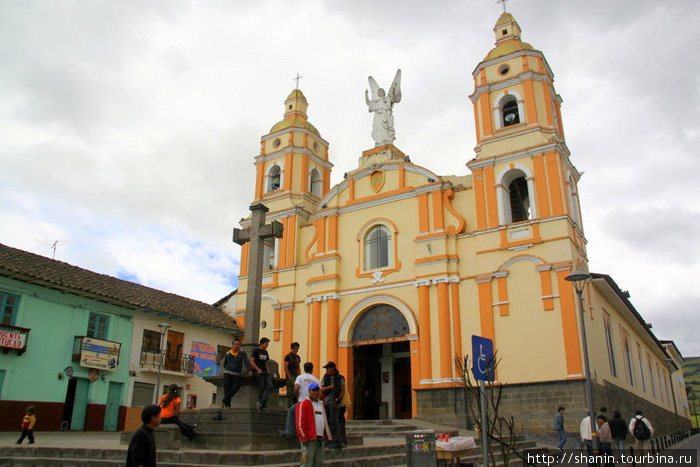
[{"x": 376, "y": 180}]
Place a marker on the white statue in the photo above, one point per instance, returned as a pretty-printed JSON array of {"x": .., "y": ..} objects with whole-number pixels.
[{"x": 381, "y": 104}]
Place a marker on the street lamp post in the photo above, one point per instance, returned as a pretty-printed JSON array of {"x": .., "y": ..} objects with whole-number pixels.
[
  {"x": 163, "y": 331},
  {"x": 578, "y": 279}
]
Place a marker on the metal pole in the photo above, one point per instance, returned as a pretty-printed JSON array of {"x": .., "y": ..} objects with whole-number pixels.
[
  {"x": 156, "y": 393},
  {"x": 589, "y": 385},
  {"x": 484, "y": 424}
]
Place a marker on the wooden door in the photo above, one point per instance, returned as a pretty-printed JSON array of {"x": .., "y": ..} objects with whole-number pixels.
[{"x": 173, "y": 351}]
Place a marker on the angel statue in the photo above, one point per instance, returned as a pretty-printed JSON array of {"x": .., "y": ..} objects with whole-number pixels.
[{"x": 381, "y": 104}]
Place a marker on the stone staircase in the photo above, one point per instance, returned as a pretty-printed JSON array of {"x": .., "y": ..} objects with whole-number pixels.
[{"x": 383, "y": 443}]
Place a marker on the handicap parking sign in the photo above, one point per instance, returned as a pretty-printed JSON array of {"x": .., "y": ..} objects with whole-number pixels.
[{"x": 482, "y": 358}]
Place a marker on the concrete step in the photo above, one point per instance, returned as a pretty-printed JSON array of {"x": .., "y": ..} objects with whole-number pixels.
[{"x": 379, "y": 455}]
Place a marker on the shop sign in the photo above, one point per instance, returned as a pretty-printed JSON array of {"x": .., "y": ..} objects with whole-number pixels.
[
  {"x": 204, "y": 358},
  {"x": 96, "y": 353},
  {"x": 13, "y": 338}
]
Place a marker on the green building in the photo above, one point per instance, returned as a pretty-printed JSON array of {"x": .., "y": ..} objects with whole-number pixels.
[{"x": 66, "y": 339}]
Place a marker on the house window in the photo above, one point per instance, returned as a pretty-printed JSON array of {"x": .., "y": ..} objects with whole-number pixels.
[
  {"x": 642, "y": 376},
  {"x": 628, "y": 358},
  {"x": 661, "y": 383},
  {"x": 509, "y": 110},
  {"x": 274, "y": 178},
  {"x": 611, "y": 344},
  {"x": 651, "y": 376},
  {"x": 8, "y": 305},
  {"x": 377, "y": 247},
  {"x": 151, "y": 341},
  {"x": 315, "y": 183},
  {"x": 98, "y": 326}
]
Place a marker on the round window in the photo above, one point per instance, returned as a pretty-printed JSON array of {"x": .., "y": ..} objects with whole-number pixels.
[
  {"x": 503, "y": 69},
  {"x": 277, "y": 142},
  {"x": 263, "y": 324},
  {"x": 316, "y": 146}
]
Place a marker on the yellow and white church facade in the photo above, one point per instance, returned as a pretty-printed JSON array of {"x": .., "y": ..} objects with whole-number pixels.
[{"x": 390, "y": 272}]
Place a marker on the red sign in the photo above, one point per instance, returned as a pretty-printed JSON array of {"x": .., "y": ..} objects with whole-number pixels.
[{"x": 12, "y": 339}]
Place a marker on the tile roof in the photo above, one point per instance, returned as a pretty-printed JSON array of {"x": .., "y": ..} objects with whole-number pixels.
[{"x": 35, "y": 269}]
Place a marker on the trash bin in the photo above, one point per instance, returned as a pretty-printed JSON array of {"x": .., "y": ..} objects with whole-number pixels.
[
  {"x": 420, "y": 449},
  {"x": 383, "y": 411}
]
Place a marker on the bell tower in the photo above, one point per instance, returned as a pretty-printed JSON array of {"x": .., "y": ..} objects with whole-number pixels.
[
  {"x": 522, "y": 170},
  {"x": 292, "y": 168},
  {"x": 292, "y": 176}
]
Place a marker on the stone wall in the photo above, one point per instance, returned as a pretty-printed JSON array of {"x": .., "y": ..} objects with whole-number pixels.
[{"x": 534, "y": 405}]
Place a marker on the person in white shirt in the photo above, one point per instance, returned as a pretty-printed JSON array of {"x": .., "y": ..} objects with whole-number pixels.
[
  {"x": 586, "y": 434},
  {"x": 301, "y": 389},
  {"x": 641, "y": 443}
]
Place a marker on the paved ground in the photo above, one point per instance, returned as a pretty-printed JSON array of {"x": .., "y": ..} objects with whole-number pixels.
[{"x": 75, "y": 439}]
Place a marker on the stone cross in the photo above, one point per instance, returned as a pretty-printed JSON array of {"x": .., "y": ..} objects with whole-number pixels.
[
  {"x": 255, "y": 235},
  {"x": 504, "y": 4},
  {"x": 297, "y": 78}
]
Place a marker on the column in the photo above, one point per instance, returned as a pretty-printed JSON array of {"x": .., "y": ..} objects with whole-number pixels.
[{"x": 424, "y": 330}]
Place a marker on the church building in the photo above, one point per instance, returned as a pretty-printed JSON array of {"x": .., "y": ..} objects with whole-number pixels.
[{"x": 390, "y": 272}]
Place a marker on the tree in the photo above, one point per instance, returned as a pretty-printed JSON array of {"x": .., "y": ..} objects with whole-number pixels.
[{"x": 501, "y": 429}]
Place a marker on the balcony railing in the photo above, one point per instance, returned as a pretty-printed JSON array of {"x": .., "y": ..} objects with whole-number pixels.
[{"x": 180, "y": 363}]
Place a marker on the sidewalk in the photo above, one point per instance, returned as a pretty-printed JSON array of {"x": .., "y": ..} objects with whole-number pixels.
[{"x": 67, "y": 439}]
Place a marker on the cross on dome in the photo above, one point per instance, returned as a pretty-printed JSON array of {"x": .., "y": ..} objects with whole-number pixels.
[{"x": 297, "y": 78}]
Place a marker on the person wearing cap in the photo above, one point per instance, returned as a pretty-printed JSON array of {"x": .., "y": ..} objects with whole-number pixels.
[
  {"x": 333, "y": 386},
  {"x": 312, "y": 427}
]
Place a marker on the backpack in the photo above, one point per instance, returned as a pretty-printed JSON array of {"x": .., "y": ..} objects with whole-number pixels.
[{"x": 641, "y": 430}]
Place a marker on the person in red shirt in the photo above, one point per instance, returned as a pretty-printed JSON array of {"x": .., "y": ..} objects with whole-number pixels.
[
  {"x": 170, "y": 412},
  {"x": 312, "y": 427}
]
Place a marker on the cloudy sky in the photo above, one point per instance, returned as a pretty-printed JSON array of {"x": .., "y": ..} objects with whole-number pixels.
[{"x": 128, "y": 129}]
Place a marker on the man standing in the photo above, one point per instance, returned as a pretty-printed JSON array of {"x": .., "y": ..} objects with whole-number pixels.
[
  {"x": 559, "y": 427},
  {"x": 312, "y": 427},
  {"x": 333, "y": 386},
  {"x": 292, "y": 369},
  {"x": 618, "y": 429},
  {"x": 642, "y": 431},
  {"x": 232, "y": 366},
  {"x": 142, "y": 447},
  {"x": 259, "y": 361},
  {"x": 586, "y": 434},
  {"x": 301, "y": 392}
]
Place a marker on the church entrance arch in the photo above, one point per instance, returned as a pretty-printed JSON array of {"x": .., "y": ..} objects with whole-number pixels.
[{"x": 381, "y": 362}]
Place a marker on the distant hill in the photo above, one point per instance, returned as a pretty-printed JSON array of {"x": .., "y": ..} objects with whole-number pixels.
[{"x": 691, "y": 370}]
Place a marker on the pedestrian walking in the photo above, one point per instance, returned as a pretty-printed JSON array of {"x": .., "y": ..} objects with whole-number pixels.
[
  {"x": 142, "y": 447},
  {"x": 559, "y": 427},
  {"x": 642, "y": 431},
  {"x": 27, "y": 426},
  {"x": 605, "y": 439}
]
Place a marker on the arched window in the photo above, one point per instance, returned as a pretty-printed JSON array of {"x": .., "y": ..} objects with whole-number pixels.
[
  {"x": 377, "y": 247},
  {"x": 515, "y": 197},
  {"x": 269, "y": 254},
  {"x": 380, "y": 322},
  {"x": 274, "y": 178},
  {"x": 509, "y": 110},
  {"x": 519, "y": 200},
  {"x": 573, "y": 199},
  {"x": 315, "y": 183}
]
